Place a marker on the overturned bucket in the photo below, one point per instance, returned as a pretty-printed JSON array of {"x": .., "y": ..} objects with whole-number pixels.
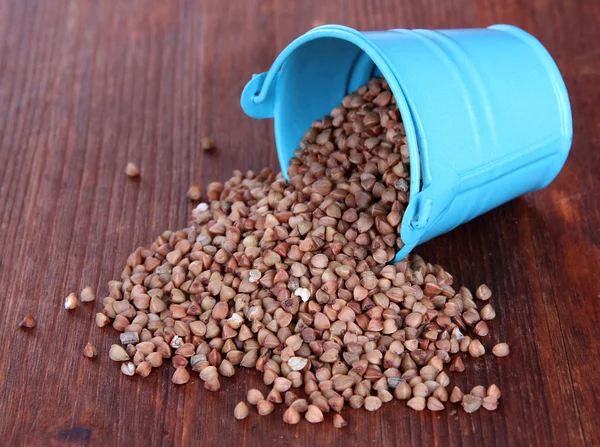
[{"x": 486, "y": 111}]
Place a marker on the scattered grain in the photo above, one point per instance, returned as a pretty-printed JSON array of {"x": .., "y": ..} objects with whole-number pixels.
[
  {"x": 118, "y": 354},
  {"x": 240, "y": 411},
  {"x": 313, "y": 414},
  {"x": 456, "y": 395},
  {"x": 416, "y": 403},
  {"x": 339, "y": 421},
  {"x": 207, "y": 144},
  {"x": 372, "y": 403},
  {"x": 194, "y": 192},
  {"x": 483, "y": 292},
  {"x": 28, "y": 322},
  {"x": 291, "y": 416},
  {"x": 87, "y": 295},
  {"x": 471, "y": 403},
  {"x": 90, "y": 351},
  {"x": 71, "y": 302},
  {"x": 131, "y": 170},
  {"x": 264, "y": 407},
  {"x": 128, "y": 369},
  {"x": 253, "y": 396},
  {"x": 433, "y": 404},
  {"x": 501, "y": 350}
]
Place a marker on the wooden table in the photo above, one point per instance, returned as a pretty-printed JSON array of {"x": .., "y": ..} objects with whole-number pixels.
[{"x": 86, "y": 86}]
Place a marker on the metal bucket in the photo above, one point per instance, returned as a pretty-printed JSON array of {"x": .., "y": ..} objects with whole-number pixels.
[{"x": 486, "y": 111}]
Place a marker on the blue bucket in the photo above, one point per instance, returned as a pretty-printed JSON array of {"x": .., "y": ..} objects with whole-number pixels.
[{"x": 486, "y": 111}]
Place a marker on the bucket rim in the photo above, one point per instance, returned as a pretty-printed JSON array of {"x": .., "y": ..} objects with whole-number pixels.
[{"x": 383, "y": 64}]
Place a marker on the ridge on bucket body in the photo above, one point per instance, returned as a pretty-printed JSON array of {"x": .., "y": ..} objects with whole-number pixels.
[{"x": 486, "y": 112}]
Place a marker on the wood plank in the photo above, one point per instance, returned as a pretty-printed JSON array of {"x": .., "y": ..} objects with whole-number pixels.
[{"x": 86, "y": 86}]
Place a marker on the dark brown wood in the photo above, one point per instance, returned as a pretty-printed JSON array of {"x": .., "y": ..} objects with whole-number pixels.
[{"x": 86, "y": 86}]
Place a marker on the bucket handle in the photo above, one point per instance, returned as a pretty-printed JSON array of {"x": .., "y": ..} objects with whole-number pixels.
[
  {"x": 428, "y": 206},
  {"x": 256, "y": 102}
]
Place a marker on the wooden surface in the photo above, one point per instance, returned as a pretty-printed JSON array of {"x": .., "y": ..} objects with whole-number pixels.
[{"x": 86, "y": 86}]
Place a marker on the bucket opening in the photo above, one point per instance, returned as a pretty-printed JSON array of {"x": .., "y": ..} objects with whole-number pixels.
[
  {"x": 310, "y": 77},
  {"x": 314, "y": 73}
]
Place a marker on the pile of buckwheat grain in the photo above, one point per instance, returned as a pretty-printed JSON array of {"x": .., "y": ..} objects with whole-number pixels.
[{"x": 291, "y": 279}]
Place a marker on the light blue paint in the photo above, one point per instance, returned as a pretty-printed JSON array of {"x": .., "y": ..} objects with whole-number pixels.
[{"x": 486, "y": 111}]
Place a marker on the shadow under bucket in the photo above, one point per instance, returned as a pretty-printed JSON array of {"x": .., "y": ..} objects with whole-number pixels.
[{"x": 486, "y": 111}]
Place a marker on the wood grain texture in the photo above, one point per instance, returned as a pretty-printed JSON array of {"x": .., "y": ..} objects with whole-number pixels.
[{"x": 86, "y": 86}]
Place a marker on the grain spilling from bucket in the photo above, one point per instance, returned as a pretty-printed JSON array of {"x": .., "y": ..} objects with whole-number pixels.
[{"x": 292, "y": 279}]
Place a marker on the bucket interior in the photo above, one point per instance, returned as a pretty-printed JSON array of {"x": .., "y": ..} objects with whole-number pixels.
[
  {"x": 312, "y": 81},
  {"x": 315, "y": 76}
]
